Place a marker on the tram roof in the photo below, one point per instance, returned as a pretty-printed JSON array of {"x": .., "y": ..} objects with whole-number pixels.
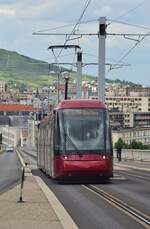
[{"x": 82, "y": 103}]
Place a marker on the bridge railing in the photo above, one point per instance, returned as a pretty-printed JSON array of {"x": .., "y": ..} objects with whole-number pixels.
[{"x": 135, "y": 155}]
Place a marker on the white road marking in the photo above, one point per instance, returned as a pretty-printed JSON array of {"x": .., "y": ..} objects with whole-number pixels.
[
  {"x": 131, "y": 167},
  {"x": 60, "y": 211},
  {"x": 20, "y": 158}
]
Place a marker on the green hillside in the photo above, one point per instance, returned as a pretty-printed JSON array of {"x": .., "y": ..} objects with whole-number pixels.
[
  {"x": 23, "y": 71},
  {"x": 18, "y": 70}
]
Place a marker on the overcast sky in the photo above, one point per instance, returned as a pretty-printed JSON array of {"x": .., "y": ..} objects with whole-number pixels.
[{"x": 20, "y": 18}]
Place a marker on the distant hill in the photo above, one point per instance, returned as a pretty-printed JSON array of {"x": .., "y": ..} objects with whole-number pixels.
[
  {"x": 23, "y": 71},
  {"x": 123, "y": 82}
]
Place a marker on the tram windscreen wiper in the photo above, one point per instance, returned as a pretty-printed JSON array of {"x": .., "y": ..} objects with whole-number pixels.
[{"x": 72, "y": 143}]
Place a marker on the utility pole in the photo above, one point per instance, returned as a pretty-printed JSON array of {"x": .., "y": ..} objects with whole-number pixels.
[
  {"x": 101, "y": 58},
  {"x": 101, "y": 51},
  {"x": 58, "y": 85},
  {"x": 66, "y": 87},
  {"x": 79, "y": 75},
  {"x": 52, "y": 47}
]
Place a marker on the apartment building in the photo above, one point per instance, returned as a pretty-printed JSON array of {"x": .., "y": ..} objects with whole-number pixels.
[
  {"x": 119, "y": 119},
  {"x": 116, "y": 119},
  {"x": 139, "y": 119},
  {"x": 128, "y": 104},
  {"x": 138, "y": 91},
  {"x": 130, "y": 134}
]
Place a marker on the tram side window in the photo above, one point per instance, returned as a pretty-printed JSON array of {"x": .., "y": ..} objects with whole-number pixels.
[
  {"x": 51, "y": 136},
  {"x": 56, "y": 134},
  {"x": 108, "y": 135}
]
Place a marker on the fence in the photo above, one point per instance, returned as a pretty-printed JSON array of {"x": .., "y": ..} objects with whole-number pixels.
[{"x": 135, "y": 155}]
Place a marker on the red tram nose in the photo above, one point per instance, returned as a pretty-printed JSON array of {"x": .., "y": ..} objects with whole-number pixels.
[{"x": 74, "y": 165}]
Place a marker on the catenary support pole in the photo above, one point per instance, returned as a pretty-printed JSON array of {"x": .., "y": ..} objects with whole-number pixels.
[
  {"x": 101, "y": 58},
  {"x": 58, "y": 85},
  {"x": 79, "y": 75},
  {"x": 66, "y": 87}
]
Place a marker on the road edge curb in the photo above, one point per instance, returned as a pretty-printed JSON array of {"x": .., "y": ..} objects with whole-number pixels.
[{"x": 60, "y": 211}]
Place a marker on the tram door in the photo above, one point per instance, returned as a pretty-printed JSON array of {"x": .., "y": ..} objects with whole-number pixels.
[
  {"x": 51, "y": 147},
  {"x": 46, "y": 149}
]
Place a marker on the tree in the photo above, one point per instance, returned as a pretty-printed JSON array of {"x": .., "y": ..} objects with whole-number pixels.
[
  {"x": 119, "y": 143},
  {"x": 134, "y": 144}
]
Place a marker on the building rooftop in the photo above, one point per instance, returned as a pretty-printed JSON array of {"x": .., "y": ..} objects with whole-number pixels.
[{"x": 17, "y": 107}]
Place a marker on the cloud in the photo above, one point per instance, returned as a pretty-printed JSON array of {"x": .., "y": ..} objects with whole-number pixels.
[
  {"x": 7, "y": 2},
  {"x": 7, "y": 12},
  {"x": 102, "y": 11},
  {"x": 19, "y": 18}
]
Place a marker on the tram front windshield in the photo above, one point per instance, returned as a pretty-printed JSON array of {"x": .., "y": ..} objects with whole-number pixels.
[{"x": 84, "y": 130}]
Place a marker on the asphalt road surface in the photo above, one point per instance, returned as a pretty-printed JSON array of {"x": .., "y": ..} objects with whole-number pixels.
[
  {"x": 88, "y": 210},
  {"x": 10, "y": 170}
]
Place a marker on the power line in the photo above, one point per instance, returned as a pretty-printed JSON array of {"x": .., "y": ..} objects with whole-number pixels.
[
  {"x": 132, "y": 9},
  {"x": 87, "y": 3},
  {"x": 55, "y": 28},
  {"x": 63, "y": 26},
  {"x": 112, "y": 20},
  {"x": 129, "y": 24},
  {"x": 80, "y": 18},
  {"x": 77, "y": 23},
  {"x": 129, "y": 34},
  {"x": 134, "y": 46}
]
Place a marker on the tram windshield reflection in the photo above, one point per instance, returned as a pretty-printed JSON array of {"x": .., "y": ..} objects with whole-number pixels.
[{"x": 85, "y": 129}]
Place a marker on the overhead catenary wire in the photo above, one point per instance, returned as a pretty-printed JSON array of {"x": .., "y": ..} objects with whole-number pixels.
[
  {"x": 130, "y": 50},
  {"x": 67, "y": 38},
  {"x": 139, "y": 40},
  {"x": 87, "y": 3},
  {"x": 79, "y": 22},
  {"x": 74, "y": 28},
  {"x": 112, "y": 20},
  {"x": 129, "y": 24},
  {"x": 63, "y": 26},
  {"x": 131, "y": 10},
  {"x": 133, "y": 47},
  {"x": 134, "y": 8}
]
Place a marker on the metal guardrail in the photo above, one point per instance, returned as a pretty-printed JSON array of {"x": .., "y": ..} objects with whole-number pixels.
[
  {"x": 134, "y": 155},
  {"x": 127, "y": 154},
  {"x": 30, "y": 154}
]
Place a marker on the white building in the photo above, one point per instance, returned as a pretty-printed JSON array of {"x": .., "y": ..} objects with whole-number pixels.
[
  {"x": 3, "y": 86},
  {"x": 130, "y": 134},
  {"x": 10, "y": 135},
  {"x": 32, "y": 133}
]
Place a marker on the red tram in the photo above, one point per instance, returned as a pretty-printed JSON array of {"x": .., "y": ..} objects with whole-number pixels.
[{"x": 75, "y": 141}]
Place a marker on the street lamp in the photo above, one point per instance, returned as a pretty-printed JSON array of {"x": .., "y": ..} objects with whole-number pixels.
[
  {"x": 66, "y": 77},
  {"x": 58, "y": 79}
]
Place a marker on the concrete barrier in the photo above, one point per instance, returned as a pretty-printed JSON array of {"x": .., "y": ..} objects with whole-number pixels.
[{"x": 135, "y": 155}]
